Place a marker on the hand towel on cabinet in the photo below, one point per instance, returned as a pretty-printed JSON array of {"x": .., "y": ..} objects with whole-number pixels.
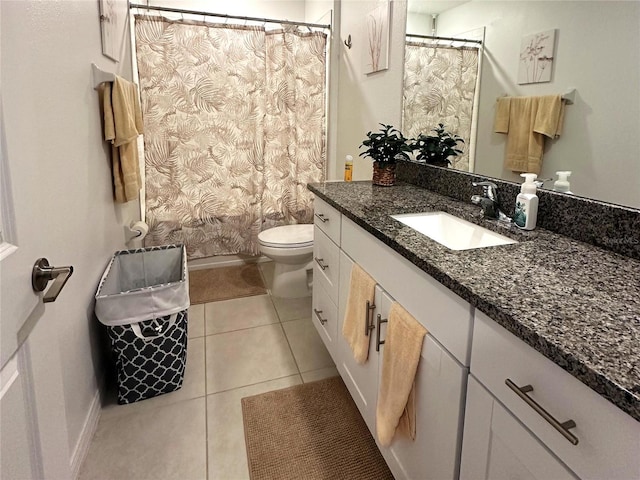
[
  {"x": 401, "y": 355},
  {"x": 526, "y": 121},
  {"x": 361, "y": 288},
  {"x": 122, "y": 125}
]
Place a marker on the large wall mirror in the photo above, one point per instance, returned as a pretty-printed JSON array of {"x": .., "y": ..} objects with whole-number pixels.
[{"x": 597, "y": 53}]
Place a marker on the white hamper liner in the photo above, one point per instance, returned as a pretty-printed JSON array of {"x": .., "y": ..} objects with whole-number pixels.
[
  {"x": 143, "y": 299},
  {"x": 143, "y": 284}
]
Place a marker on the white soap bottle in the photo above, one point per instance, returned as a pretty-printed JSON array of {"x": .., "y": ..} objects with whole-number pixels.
[
  {"x": 562, "y": 184},
  {"x": 526, "y": 213}
]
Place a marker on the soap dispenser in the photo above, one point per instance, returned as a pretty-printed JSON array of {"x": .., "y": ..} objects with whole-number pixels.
[
  {"x": 562, "y": 184},
  {"x": 526, "y": 213}
]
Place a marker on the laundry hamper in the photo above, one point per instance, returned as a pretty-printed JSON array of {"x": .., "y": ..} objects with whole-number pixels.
[{"x": 143, "y": 299}]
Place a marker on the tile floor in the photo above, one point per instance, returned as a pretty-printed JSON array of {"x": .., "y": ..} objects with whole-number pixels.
[{"x": 236, "y": 348}]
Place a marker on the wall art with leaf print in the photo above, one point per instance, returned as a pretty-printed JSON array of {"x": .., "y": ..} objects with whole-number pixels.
[
  {"x": 375, "y": 55},
  {"x": 536, "y": 57}
]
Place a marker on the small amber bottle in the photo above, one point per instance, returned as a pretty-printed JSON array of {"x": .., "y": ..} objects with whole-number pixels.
[{"x": 348, "y": 168}]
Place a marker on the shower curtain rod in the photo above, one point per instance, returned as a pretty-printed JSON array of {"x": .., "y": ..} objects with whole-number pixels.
[
  {"x": 234, "y": 17},
  {"x": 445, "y": 38}
]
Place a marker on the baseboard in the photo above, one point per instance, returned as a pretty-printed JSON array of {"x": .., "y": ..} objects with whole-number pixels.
[
  {"x": 223, "y": 261},
  {"x": 88, "y": 431}
]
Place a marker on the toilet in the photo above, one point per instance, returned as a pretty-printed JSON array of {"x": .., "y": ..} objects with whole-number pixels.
[{"x": 291, "y": 249}]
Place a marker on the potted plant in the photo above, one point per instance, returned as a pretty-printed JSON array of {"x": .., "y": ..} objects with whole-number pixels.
[
  {"x": 384, "y": 148},
  {"x": 436, "y": 149}
]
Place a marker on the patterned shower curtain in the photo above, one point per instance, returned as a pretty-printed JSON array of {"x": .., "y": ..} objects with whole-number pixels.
[
  {"x": 234, "y": 130},
  {"x": 439, "y": 87}
]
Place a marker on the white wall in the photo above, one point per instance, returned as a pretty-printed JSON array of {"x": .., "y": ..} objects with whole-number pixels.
[
  {"x": 419, "y": 23},
  {"x": 597, "y": 53},
  {"x": 364, "y": 101},
  {"x": 275, "y": 9}
]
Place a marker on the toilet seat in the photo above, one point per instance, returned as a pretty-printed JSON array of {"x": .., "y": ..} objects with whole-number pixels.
[{"x": 287, "y": 236}]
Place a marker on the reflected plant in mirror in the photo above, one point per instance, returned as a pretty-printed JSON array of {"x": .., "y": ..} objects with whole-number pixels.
[{"x": 436, "y": 149}]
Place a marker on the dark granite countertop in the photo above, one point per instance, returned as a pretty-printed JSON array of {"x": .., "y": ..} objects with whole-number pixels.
[{"x": 577, "y": 304}]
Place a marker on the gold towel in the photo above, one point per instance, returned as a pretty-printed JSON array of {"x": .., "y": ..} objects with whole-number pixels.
[
  {"x": 526, "y": 121},
  {"x": 362, "y": 288},
  {"x": 396, "y": 396},
  {"x": 122, "y": 125},
  {"x": 503, "y": 107}
]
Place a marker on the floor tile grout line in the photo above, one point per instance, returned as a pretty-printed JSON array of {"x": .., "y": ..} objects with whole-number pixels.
[
  {"x": 291, "y": 350},
  {"x": 256, "y": 383},
  {"x": 241, "y": 329}
]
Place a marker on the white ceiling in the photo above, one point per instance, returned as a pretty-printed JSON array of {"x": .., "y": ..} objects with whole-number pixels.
[{"x": 428, "y": 6}]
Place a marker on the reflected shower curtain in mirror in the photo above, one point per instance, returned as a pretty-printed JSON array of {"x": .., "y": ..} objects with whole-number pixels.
[
  {"x": 234, "y": 130},
  {"x": 439, "y": 87}
]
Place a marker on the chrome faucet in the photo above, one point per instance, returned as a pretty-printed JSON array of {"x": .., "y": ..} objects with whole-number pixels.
[{"x": 488, "y": 201}]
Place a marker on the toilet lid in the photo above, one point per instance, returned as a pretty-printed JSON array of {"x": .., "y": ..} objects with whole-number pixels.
[{"x": 287, "y": 236}]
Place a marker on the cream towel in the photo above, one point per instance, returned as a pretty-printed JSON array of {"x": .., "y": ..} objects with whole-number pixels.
[
  {"x": 122, "y": 125},
  {"x": 503, "y": 107},
  {"x": 530, "y": 119},
  {"x": 362, "y": 288},
  {"x": 549, "y": 116},
  {"x": 396, "y": 396}
]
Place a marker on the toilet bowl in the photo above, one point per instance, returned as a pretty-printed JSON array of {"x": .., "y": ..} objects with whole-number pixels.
[{"x": 291, "y": 249}]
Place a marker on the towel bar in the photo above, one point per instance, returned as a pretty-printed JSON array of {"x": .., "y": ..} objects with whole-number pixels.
[{"x": 99, "y": 76}]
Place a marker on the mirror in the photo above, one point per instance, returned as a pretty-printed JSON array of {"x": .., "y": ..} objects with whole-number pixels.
[{"x": 596, "y": 53}]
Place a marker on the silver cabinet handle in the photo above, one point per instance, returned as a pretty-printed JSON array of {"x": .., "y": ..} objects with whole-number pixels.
[
  {"x": 563, "y": 427},
  {"x": 320, "y": 261},
  {"x": 42, "y": 274},
  {"x": 318, "y": 312},
  {"x": 322, "y": 218},
  {"x": 368, "y": 325},
  {"x": 379, "y": 321}
]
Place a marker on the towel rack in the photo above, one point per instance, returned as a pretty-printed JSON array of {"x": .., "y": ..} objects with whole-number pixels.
[
  {"x": 100, "y": 76},
  {"x": 569, "y": 96}
]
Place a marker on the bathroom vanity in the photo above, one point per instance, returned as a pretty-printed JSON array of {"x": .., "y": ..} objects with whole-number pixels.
[{"x": 530, "y": 360}]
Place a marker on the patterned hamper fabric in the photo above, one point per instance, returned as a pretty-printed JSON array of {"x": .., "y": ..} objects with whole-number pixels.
[{"x": 147, "y": 368}]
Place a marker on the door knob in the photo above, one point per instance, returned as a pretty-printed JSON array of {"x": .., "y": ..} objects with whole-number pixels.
[{"x": 42, "y": 274}]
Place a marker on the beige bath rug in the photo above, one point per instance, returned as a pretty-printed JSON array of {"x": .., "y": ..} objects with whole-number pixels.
[
  {"x": 310, "y": 431},
  {"x": 225, "y": 283}
]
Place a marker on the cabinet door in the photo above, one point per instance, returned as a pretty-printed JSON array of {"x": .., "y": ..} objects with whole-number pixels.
[
  {"x": 440, "y": 394},
  {"x": 361, "y": 380},
  {"x": 497, "y": 446},
  {"x": 326, "y": 263},
  {"x": 325, "y": 317}
]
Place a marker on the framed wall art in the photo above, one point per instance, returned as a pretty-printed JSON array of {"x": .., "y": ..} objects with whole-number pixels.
[
  {"x": 536, "y": 57},
  {"x": 376, "y": 52}
]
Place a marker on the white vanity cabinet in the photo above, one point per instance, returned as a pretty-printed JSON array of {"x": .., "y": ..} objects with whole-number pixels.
[
  {"x": 608, "y": 440},
  {"x": 502, "y": 400},
  {"x": 326, "y": 272},
  {"x": 441, "y": 377},
  {"x": 497, "y": 446},
  {"x": 440, "y": 394},
  {"x": 361, "y": 379}
]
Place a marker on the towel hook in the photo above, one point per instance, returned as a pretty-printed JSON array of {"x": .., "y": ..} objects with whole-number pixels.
[{"x": 348, "y": 43}]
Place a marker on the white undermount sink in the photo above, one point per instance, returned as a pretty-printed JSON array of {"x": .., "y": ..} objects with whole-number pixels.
[{"x": 451, "y": 231}]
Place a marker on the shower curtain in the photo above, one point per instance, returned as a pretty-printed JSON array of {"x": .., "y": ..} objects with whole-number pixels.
[
  {"x": 439, "y": 87},
  {"x": 234, "y": 130}
]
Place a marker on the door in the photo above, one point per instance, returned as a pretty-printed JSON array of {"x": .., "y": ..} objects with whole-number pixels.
[
  {"x": 33, "y": 437},
  {"x": 439, "y": 390},
  {"x": 497, "y": 446},
  {"x": 361, "y": 380}
]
